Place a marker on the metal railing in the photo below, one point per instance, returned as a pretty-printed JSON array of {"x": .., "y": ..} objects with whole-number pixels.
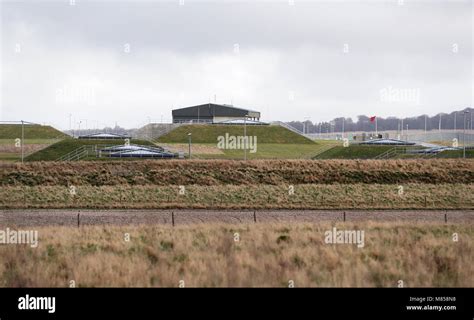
[
  {"x": 193, "y": 121},
  {"x": 161, "y": 132},
  {"x": 152, "y": 132},
  {"x": 287, "y": 126},
  {"x": 84, "y": 152},
  {"x": 400, "y": 151},
  {"x": 76, "y": 154},
  {"x": 387, "y": 154},
  {"x": 322, "y": 149}
]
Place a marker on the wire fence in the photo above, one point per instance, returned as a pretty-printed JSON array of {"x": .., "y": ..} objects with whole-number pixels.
[{"x": 410, "y": 135}]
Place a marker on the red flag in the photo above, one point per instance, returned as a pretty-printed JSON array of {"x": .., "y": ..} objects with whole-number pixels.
[{"x": 372, "y": 119}]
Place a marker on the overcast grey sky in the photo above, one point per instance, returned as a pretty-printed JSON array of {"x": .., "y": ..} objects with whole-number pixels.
[{"x": 127, "y": 61}]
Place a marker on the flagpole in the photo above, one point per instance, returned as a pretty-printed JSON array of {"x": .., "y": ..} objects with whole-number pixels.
[{"x": 376, "y": 130}]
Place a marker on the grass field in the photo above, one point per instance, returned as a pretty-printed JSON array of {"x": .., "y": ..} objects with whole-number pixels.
[
  {"x": 209, "y": 134},
  {"x": 354, "y": 152},
  {"x": 264, "y": 151},
  {"x": 9, "y": 156},
  {"x": 421, "y": 255},
  {"x": 305, "y": 196},
  {"x": 277, "y": 151},
  {"x": 455, "y": 154},
  {"x": 56, "y": 150}
]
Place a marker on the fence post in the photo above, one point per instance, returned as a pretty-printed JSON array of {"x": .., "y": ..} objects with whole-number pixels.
[
  {"x": 425, "y": 202},
  {"x": 78, "y": 219},
  {"x": 255, "y": 216},
  {"x": 172, "y": 218},
  {"x": 344, "y": 215},
  {"x": 445, "y": 218}
]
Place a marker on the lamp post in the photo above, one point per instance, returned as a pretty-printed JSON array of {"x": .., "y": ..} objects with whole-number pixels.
[
  {"x": 305, "y": 125},
  {"x": 343, "y": 126},
  {"x": 471, "y": 120},
  {"x": 245, "y": 137},
  {"x": 149, "y": 128},
  {"x": 402, "y": 127},
  {"x": 189, "y": 144},
  {"x": 22, "y": 140},
  {"x": 464, "y": 135}
]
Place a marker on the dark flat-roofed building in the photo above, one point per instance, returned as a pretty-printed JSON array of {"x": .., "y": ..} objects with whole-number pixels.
[{"x": 213, "y": 113}]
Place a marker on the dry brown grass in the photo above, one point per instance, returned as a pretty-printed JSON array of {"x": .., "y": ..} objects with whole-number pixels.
[
  {"x": 266, "y": 255},
  {"x": 221, "y": 172},
  {"x": 307, "y": 196}
]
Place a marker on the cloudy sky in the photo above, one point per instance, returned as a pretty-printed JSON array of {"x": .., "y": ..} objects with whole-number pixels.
[{"x": 126, "y": 62}]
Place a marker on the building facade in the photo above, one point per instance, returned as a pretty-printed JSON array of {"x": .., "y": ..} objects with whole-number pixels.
[{"x": 213, "y": 113}]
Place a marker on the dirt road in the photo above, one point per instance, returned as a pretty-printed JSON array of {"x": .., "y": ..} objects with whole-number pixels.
[{"x": 124, "y": 217}]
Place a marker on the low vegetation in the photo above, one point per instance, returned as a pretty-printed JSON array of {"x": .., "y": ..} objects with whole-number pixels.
[
  {"x": 456, "y": 154},
  {"x": 222, "y": 172},
  {"x": 305, "y": 196},
  {"x": 264, "y": 151},
  {"x": 277, "y": 255}
]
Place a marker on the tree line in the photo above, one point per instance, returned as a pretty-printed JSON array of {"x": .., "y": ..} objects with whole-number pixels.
[{"x": 445, "y": 121}]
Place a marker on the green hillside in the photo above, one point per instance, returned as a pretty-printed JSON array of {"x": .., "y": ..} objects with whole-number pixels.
[
  {"x": 209, "y": 134},
  {"x": 31, "y": 131},
  {"x": 57, "y": 150},
  {"x": 354, "y": 152},
  {"x": 455, "y": 154},
  {"x": 370, "y": 152}
]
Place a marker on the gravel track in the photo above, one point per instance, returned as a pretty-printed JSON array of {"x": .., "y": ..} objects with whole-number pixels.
[{"x": 61, "y": 217}]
